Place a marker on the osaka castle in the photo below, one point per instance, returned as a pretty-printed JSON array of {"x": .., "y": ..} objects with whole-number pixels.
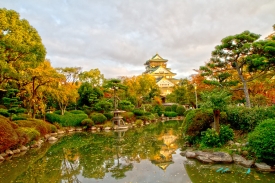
[{"x": 156, "y": 66}]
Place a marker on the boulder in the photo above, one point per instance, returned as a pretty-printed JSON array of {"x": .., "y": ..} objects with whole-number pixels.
[
  {"x": 204, "y": 159},
  {"x": 16, "y": 151},
  {"x": 238, "y": 158},
  {"x": 47, "y": 136},
  {"x": 190, "y": 154},
  {"x": 52, "y": 139},
  {"x": 9, "y": 152},
  {"x": 221, "y": 157},
  {"x": 3, "y": 154},
  {"x": 247, "y": 163},
  {"x": 205, "y": 154},
  {"x": 238, "y": 144},
  {"x": 93, "y": 128},
  {"x": 60, "y": 131},
  {"x": 53, "y": 134},
  {"x": 23, "y": 148},
  {"x": 107, "y": 128},
  {"x": 78, "y": 129},
  {"x": 1, "y": 158},
  {"x": 264, "y": 167}
]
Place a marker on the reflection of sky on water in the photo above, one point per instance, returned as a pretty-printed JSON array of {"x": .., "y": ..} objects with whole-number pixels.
[{"x": 145, "y": 171}]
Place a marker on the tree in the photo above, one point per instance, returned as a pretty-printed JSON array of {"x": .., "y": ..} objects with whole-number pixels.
[
  {"x": 94, "y": 77},
  {"x": 217, "y": 100},
  {"x": 89, "y": 95},
  {"x": 21, "y": 46},
  {"x": 71, "y": 73}
]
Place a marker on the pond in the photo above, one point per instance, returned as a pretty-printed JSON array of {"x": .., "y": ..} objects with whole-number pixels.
[{"x": 148, "y": 154}]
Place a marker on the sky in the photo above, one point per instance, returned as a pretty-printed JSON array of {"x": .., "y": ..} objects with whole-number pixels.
[{"x": 119, "y": 36}]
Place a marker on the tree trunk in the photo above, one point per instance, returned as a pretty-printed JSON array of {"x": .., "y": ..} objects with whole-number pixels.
[
  {"x": 245, "y": 89},
  {"x": 217, "y": 120}
]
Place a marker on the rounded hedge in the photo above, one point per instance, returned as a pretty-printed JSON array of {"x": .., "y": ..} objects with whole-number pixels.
[
  {"x": 262, "y": 140},
  {"x": 98, "y": 118}
]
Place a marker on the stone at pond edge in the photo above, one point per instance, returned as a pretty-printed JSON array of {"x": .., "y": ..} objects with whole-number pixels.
[
  {"x": 16, "y": 151},
  {"x": 204, "y": 159},
  {"x": 3, "y": 154},
  {"x": 221, "y": 157},
  {"x": 264, "y": 167},
  {"x": 52, "y": 139},
  {"x": 247, "y": 163},
  {"x": 9, "y": 152},
  {"x": 1, "y": 158},
  {"x": 238, "y": 158},
  {"x": 190, "y": 154}
]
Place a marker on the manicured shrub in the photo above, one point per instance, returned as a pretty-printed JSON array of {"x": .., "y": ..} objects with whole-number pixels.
[
  {"x": 108, "y": 115},
  {"x": 98, "y": 118},
  {"x": 262, "y": 140},
  {"x": 246, "y": 119},
  {"x": 41, "y": 126},
  {"x": 77, "y": 112},
  {"x": 196, "y": 121},
  {"x": 4, "y": 112},
  {"x": 138, "y": 112},
  {"x": 174, "y": 107},
  {"x": 226, "y": 134},
  {"x": 158, "y": 109},
  {"x": 147, "y": 107},
  {"x": 103, "y": 106},
  {"x": 18, "y": 118},
  {"x": 27, "y": 134},
  {"x": 210, "y": 138},
  {"x": 66, "y": 120},
  {"x": 126, "y": 105},
  {"x": 168, "y": 108},
  {"x": 180, "y": 110},
  {"x": 170, "y": 114},
  {"x": 8, "y": 136},
  {"x": 87, "y": 122},
  {"x": 139, "y": 123}
]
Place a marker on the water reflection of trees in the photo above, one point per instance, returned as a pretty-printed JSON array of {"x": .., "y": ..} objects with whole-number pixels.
[{"x": 93, "y": 155}]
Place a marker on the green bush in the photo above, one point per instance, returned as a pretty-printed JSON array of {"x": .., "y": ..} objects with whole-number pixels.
[
  {"x": 262, "y": 140},
  {"x": 196, "y": 121},
  {"x": 59, "y": 112},
  {"x": 138, "y": 112},
  {"x": 180, "y": 110},
  {"x": 108, "y": 115},
  {"x": 246, "y": 119},
  {"x": 139, "y": 122},
  {"x": 174, "y": 107},
  {"x": 87, "y": 122},
  {"x": 98, "y": 118},
  {"x": 210, "y": 138},
  {"x": 18, "y": 118},
  {"x": 126, "y": 105},
  {"x": 226, "y": 134},
  {"x": 168, "y": 108},
  {"x": 158, "y": 109},
  {"x": 77, "y": 112},
  {"x": 103, "y": 106},
  {"x": 4, "y": 112},
  {"x": 66, "y": 120},
  {"x": 128, "y": 116},
  {"x": 27, "y": 134},
  {"x": 170, "y": 114}
]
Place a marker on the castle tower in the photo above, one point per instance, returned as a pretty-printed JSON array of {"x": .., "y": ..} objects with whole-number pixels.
[{"x": 156, "y": 66}]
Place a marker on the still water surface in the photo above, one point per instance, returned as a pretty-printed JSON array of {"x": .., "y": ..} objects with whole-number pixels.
[{"x": 149, "y": 154}]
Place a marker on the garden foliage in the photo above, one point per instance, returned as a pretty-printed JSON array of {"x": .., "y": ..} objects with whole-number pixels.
[
  {"x": 68, "y": 119},
  {"x": 262, "y": 140},
  {"x": 98, "y": 118}
]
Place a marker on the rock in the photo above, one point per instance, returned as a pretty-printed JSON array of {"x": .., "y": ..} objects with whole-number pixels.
[
  {"x": 247, "y": 163},
  {"x": 60, "y": 131},
  {"x": 201, "y": 153},
  {"x": 52, "y": 139},
  {"x": 9, "y": 152},
  {"x": 3, "y": 154},
  {"x": 238, "y": 158},
  {"x": 53, "y": 134},
  {"x": 78, "y": 129},
  {"x": 221, "y": 157},
  {"x": 93, "y": 128},
  {"x": 107, "y": 128},
  {"x": 238, "y": 144},
  {"x": 264, "y": 167},
  {"x": 47, "y": 136},
  {"x": 204, "y": 159},
  {"x": 190, "y": 154},
  {"x": 1, "y": 158},
  {"x": 23, "y": 148},
  {"x": 230, "y": 142},
  {"x": 16, "y": 151}
]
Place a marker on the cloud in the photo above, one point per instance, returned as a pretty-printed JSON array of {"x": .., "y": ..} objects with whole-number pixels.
[{"x": 117, "y": 37}]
